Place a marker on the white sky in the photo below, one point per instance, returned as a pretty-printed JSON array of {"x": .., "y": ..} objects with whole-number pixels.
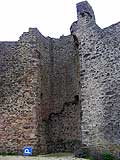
[{"x": 52, "y": 17}]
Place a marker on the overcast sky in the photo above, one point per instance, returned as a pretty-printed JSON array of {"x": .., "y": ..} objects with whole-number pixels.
[{"x": 52, "y": 17}]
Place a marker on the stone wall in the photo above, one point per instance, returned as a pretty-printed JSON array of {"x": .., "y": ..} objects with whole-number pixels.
[
  {"x": 18, "y": 117},
  {"x": 58, "y": 93},
  {"x": 22, "y": 81},
  {"x": 99, "y": 51},
  {"x": 38, "y": 76},
  {"x": 64, "y": 119},
  {"x": 64, "y": 131}
]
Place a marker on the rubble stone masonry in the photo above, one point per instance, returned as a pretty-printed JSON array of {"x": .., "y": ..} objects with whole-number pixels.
[
  {"x": 99, "y": 55},
  {"x": 39, "y": 83},
  {"x": 61, "y": 94}
]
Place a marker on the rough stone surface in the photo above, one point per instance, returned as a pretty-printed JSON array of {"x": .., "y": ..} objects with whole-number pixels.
[
  {"x": 39, "y": 84},
  {"x": 59, "y": 94},
  {"x": 99, "y": 54}
]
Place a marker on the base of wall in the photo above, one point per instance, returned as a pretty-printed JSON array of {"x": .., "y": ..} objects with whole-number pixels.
[
  {"x": 64, "y": 146},
  {"x": 98, "y": 151}
]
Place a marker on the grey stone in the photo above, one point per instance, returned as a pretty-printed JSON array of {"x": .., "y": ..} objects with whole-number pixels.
[{"x": 64, "y": 92}]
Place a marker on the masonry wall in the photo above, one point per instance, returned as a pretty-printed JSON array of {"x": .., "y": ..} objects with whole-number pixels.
[
  {"x": 99, "y": 51},
  {"x": 39, "y": 77},
  {"x": 18, "y": 117},
  {"x": 63, "y": 121},
  {"x": 56, "y": 94},
  {"x": 21, "y": 81}
]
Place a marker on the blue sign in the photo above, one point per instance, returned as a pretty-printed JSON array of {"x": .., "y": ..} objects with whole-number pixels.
[{"x": 27, "y": 151}]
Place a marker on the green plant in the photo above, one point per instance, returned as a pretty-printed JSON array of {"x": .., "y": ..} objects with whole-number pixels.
[
  {"x": 7, "y": 154},
  {"x": 108, "y": 156}
]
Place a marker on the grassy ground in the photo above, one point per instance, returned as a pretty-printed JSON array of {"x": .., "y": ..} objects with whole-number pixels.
[{"x": 57, "y": 156}]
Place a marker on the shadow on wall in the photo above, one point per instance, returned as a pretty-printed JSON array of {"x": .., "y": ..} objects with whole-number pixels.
[{"x": 63, "y": 131}]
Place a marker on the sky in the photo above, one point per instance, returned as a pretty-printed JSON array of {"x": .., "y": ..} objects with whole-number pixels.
[{"x": 52, "y": 17}]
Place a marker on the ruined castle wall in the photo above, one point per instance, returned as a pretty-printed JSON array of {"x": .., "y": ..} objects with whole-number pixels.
[
  {"x": 99, "y": 77},
  {"x": 64, "y": 119},
  {"x": 100, "y": 91},
  {"x": 41, "y": 62},
  {"x": 20, "y": 85},
  {"x": 110, "y": 44},
  {"x": 39, "y": 79},
  {"x": 55, "y": 93},
  {"x": 65, "y": 73},
  {"x": 10, "y": 90},
  {"x": 90, "y": 69}
]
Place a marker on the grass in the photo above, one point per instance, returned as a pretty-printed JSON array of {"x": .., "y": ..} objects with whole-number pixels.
[
  {"x": 7, "y": 154},
  {"x": 62, "y": 154}
]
